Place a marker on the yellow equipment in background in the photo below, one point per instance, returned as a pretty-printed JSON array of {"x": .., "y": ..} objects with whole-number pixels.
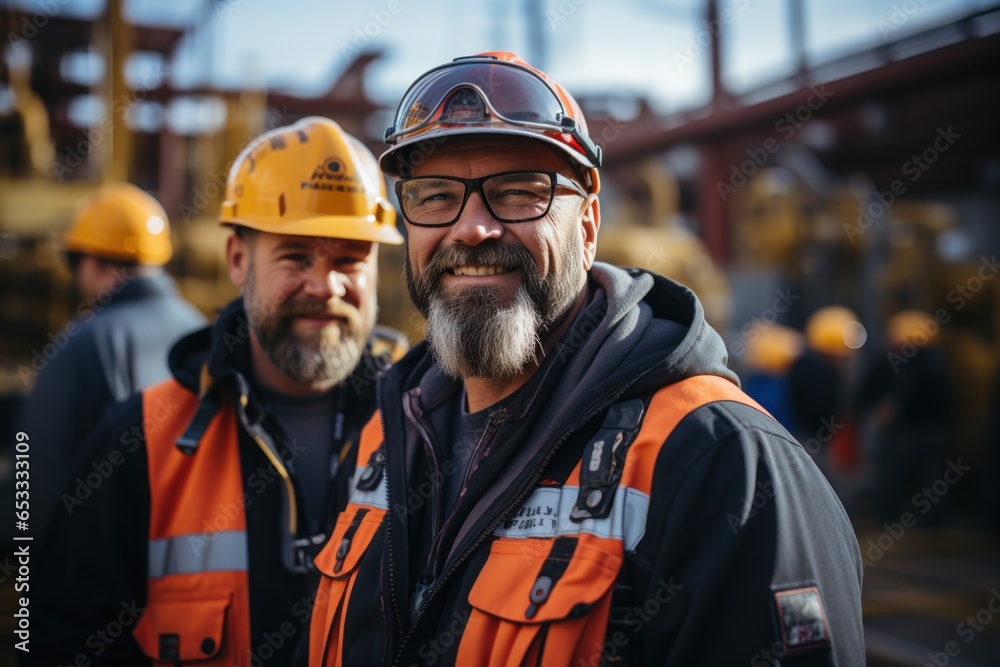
[{"x": 643, "y": 229}]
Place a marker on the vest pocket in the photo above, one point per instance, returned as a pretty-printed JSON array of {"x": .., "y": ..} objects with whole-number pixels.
[
  {"x": 337, "y": 563},
  {"x": 173, "y": 631},
  {"x": 541, "y": 602}
]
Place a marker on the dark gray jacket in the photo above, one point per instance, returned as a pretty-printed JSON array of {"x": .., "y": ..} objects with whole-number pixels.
[
  {"x": 111, "y": 350},
  {"x": 746, "y": 555}
]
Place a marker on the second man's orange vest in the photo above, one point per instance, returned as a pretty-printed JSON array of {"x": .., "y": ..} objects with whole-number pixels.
[{"x": 198, "y": 605}]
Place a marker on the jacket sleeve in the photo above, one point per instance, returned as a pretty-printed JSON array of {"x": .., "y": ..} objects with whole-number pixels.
[
  {"x": 89, "y": 582},
  {"x": 65, "y": 406},
  {"x": 738, "y": 514}
]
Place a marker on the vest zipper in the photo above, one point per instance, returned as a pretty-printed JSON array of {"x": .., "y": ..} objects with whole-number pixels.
[
  {"x": 543, "y": 634},
  {"x": 345, "y": 542}
]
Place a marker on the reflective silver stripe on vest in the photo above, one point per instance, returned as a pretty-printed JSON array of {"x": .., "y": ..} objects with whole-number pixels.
[
  {"x": 546, "y": 514},
  {"x": 378, "y": 497},
  {"x": 198, "y": 552}
]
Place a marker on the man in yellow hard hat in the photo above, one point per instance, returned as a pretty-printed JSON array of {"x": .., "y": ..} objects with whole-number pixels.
[
  {"x": 908, "y": 394},
  {"x": 129, "y": 316},
  {"x": 199, "y": 543},
  {"x": 821, "y": 384}
]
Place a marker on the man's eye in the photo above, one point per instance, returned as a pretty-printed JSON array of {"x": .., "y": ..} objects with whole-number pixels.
[
  {"x": 516, "y": 195},
  {"x": 304, "y": 260},
  {"x": 352, "y": 263},
  {"x": 441, "y": 196}
]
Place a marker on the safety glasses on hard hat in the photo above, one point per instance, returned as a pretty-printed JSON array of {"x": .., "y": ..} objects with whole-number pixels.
[
  {"x": 486, "y": 92},
  {"x": 510, "y": 196}
]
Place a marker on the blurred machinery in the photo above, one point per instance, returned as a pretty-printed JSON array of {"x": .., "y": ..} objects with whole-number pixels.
[{"x": 642, "y": 227}]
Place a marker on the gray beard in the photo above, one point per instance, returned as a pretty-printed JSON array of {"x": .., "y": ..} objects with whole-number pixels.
[
  {"x": 471, "y": 337},
  {"x": 472, "y": 333},
  {"x": 330, "y": 356}
]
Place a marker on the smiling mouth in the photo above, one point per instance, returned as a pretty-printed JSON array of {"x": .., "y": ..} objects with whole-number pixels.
[
  {"x": 474, "y": 270},
  {"x": 326, "y": 317}
]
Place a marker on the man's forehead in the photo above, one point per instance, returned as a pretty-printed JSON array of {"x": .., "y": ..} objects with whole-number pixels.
[{"x": 290, "y": 241}]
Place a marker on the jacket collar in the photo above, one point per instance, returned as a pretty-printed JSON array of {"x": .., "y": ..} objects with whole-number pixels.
[{"x": 134, "y": 288}]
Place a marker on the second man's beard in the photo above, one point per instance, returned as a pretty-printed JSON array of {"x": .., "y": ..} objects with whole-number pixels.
[{"x": 328, "y": 356}]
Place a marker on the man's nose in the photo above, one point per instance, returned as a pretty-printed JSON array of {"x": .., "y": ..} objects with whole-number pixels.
[
  {"x": 325, "y": 284},
  {"x": 476, "y": 224}
]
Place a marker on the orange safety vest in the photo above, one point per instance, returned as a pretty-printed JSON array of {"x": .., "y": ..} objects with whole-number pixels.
[
  {"x": 543, "y": 595},
  {"x": 198, "y": 603}
]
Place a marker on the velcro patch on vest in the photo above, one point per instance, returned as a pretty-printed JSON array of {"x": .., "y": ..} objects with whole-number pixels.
[{"x": 801, "y": 619}]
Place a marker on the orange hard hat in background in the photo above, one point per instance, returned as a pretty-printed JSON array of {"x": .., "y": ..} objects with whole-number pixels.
[
  {"x": 121, "y": 223},
  {"x": 310, "y": 179}
]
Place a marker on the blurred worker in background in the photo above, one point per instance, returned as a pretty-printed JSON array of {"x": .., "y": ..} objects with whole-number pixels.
[
  {"x": 771, "y": 350},
  {"x": 565, "y": 472},
  {"x": 225, "y": 477},
  {"x": 907, "y": 391},
  {"x": 822, "y": 381},
  {"x": 128, "y": 318}
]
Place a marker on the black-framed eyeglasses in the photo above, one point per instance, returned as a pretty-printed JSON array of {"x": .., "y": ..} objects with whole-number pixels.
[{"x": 510, "y": 196}]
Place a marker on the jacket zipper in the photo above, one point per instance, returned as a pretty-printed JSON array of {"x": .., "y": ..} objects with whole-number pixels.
[
  {"x": 432, "y": 558},
  {"x": 388, "y": 535},
  {"x": 514, "y": 503},
  {"x": 429, "y": 446}
]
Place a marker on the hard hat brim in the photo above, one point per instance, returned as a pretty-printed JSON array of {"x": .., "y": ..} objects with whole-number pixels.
[
  {"x": 387, "y": 161},
  {"x": 329, "y": 226},
  {"x": 146, "y": 257}
]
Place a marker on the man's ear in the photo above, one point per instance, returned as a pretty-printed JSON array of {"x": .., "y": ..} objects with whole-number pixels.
[
  {"x": 590, "y": 223},
  {"x": 237, "y": 259}
]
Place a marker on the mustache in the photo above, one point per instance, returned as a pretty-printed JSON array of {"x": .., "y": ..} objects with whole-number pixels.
[
  {"x": 485, "y": 254},
  {"x": 315, "y": 308}
]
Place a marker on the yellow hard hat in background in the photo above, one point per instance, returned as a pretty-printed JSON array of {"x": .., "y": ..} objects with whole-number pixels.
[
  {"x": 835, "y": 330},
  {"x": 773, "y": 348},
  {"x": 121, "y": 223},
  {"x": 912, "y": 326},
  {"x": 310, "y": 179}
]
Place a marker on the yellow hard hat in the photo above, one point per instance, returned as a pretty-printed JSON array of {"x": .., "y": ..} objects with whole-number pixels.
[
  {"x": 310, "y": 179},
  {"x": 912, "y": 326},
  {"x": 835, "y": 330},
  {"x": 122, "y": 223},
  {"x": 773, "y": 348}
]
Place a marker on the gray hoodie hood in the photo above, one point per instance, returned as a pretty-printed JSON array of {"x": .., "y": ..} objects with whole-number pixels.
[{"x": 639, "y": 332}]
